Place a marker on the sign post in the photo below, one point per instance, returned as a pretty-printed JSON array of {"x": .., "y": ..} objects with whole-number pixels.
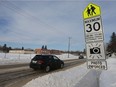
[{"x": 94, "y": 38}]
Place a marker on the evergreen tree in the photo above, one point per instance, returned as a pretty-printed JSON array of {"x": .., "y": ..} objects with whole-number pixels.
[
  {"x": 42, "y": 47},
  {"x": 45, "y": 47},
  {"x": 5, "y": 48},
  {"x": 22, "y": 48},
  {"x": 112, "y": 44}
]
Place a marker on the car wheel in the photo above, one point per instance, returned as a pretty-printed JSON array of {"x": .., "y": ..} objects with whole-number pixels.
[
  {"x": 62, "y": 65},
  {"x": 47, "y": 69}
]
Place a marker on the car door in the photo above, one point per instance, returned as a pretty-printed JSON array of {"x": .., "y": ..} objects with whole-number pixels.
[
  {"x": 57, "y": 62},
  {"x": 52, "y": 62}
]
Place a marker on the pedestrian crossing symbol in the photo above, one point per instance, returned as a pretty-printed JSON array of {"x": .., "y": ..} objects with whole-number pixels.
[{"x": 91, "y": 10}]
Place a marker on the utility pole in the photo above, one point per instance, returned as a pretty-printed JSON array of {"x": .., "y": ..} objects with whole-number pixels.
[{"x": 69, "y": 46}]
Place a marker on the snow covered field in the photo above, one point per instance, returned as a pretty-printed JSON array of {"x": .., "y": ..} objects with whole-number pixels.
[
  {"x": 67, "y": 78},
  {"x": 9, "y": 58}
]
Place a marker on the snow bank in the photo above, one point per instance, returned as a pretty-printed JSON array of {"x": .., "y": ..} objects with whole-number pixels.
[
  {"x": 68, "y": 78},
  {"x": 90, "y": 79},
  {"x": 108, "y": 77}
]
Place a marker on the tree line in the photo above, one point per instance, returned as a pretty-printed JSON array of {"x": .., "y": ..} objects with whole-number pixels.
[
  {"x": 111, "y": 46},
  {"x": 6, "y": 49}
]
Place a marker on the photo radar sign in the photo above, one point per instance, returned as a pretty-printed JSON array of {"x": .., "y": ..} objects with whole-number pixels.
[
  {"x": 95, "y": 50},
  {"x": 93, "y": 29}
]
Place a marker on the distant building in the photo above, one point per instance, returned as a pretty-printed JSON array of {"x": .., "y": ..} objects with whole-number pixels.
[
  {"x": 42, "y": 51},
  {"x": 46, "y": 51},
  {"x": 22, "y": 51},
  {"x": 57, "y": 52}
]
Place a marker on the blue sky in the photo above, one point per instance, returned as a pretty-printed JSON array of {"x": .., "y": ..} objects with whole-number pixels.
[{"x": 32, "y": 24}]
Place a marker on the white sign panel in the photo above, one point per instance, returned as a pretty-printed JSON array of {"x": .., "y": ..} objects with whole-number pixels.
[
  {"x": 96, "y": 64},
  {"x": 93, "y": 29},
  {"x": 94, "y": 37},
  {"x": 95, "y": 50}
]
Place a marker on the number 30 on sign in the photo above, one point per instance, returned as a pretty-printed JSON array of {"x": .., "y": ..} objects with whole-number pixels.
[{"x": 93, "y": 25}]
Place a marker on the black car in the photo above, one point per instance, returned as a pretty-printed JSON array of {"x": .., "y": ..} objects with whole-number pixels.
[
  {"x": 46, "y": 62},
  {"x": 81, "y": 57}
]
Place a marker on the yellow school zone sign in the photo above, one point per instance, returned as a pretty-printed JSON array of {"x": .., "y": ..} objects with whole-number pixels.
[{"x": 91, "y": 10}]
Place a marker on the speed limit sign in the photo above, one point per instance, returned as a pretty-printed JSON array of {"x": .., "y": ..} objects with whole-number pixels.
[
  {"x": 94, "y": 37},
  {"x": 93, "y": 29}
]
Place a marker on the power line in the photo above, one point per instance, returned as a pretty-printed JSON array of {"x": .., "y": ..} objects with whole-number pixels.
[
  {"x": 25, "y": 14},
  {"x": 16, "y": 9}
]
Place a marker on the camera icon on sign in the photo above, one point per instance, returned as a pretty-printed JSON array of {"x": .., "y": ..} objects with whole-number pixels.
[{"x": 95, "y": 50}]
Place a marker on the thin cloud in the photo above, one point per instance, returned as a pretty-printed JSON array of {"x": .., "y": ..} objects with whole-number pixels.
[{"x": 50, "y": 22}]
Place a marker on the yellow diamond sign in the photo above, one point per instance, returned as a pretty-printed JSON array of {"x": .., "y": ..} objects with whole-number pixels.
[{"x": 91, "y": 10}]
